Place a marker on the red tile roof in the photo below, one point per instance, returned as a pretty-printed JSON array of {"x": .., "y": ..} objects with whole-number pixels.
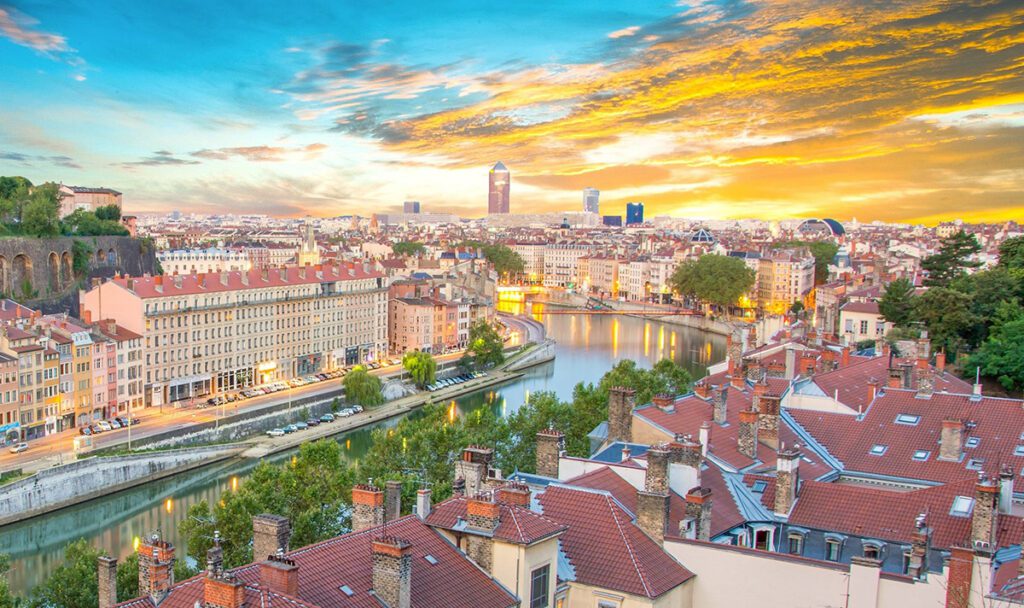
[
  {"x": 605, "y": 547},
  {"x": 851, "y": 381},
  {"x": 516, "y": 524},
  {"x": 863, "y": 307}
]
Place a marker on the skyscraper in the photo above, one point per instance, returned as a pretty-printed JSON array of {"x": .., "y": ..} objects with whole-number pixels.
[
  {"x": 497, "y": 193},
  {"x": 634, "y": 213},
  {"x": 411, "y": 207},
  {"x": 590, "y": 200}
]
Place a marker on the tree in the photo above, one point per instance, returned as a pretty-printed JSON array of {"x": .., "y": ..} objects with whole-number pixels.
[
  {"x": 40, "y": 216},
  {"x": 989, "y": 290},
  {"x": 109, "y": 213},
  {"x": 947, "y": 315},
  {"x": 14, "y": 194},
  {"x": 505, "y": 261},
  {"x": 7, "y": 599},
  {"x": 81, "y": 253},
  {"x": 128, "y": 577},
  {"x": 715, "y": 279},
  {"x": 421, "y": 367},
  {"x": 363, "y": 387},
  {"x": 897, "y": 302},
  {"x": 88, "y": 223},
  {"x": 796, "y": 308},
  {"x": 486, "y": 348},
  {"x": 1001, "y": 356},
  {"x": 823, "y": 251},
  {"x": 1011, "y": 253},
  {"x": 952, "y": 259},
  {"x": 408, "y": 248},
  {"x": 74, "y": 584}
]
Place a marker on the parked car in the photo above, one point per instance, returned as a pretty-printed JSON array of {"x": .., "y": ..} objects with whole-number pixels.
[
  {"x": 291, "y": 428},
  {"x": 114, "y": 423},
  {"x": 96, "y": 429},
  {"x": 103, "y": 424},
  {"x": 275, "y": 432},
  {"x": 327, "y": 418},
  {"x": 18, "y": 448},
  {"x": 301, "y": 426},
  {"x": 313, "y": 422},
  {"x": 84, "y": 430},
  {"x": 135, "y": 421},
  {"x": 346, "y": 412},
  {"x": 356, "y": 408}
]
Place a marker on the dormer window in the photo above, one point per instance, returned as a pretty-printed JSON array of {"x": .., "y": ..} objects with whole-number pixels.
[{"x": 909, "y": 419}]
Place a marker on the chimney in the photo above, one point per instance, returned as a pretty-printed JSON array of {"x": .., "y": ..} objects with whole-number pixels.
[
  {"x": 265, "y": 273},
  {"x": 107, "y": 569},
  {"x": 753, "y": 370},
  {"x": 652, "y": 501},
  {"x": 940, "y": 361},
  {"x": 790, "y": 362},
  {"x": 924, "y": 347},
  {"x": 961, "y": 574},
  {"x": 895, "y": 377},
  {"x": 392, "y": 499},
  {"x": 698, "y": 514},
  {"x": 474, "y": 468},
  {"x": 983, "y": 520},
  {"x": 719, "y": 399},
  {"x": 220, "y": 589},
  {"x": 621, "y": 401},
  {"x": 808, "y": 361},
  {"x": 702, "y": 390},
  {"x": 873, "y": 387},
  {"x": 734, "y": 353},
  {"x": 920, "y": 544},
  {"x": 664, "y": 402},
  {"x": 906, "y": 374},
  {"x": 550, "y": 443},
  {"x": 787, "y": 480},
  {"x": 482, "y": 519},
  {"x": 156, "y": 568},
  {"x": 367, "y": 507},
  {"x": 158, "y": 280},
  {"x": 1006, "y": 491},
  {"x": 280, "y": 574},
  {"x": 87, "y": 317},
  {"x": 244, "y": 275},
  {"x": 951, "y": 441},
  {"x": 626, "y": 453},
  {"x": 925, "y": 382},
  {"x": 705, "y": 438},
  {"x": 515, "y": 494},
  {"x": 768, "y": 420},
  {"x": 685, "y": 451},
  {"x": 845, "y": 357},
  {"x": 747, "y": 436},
  {"x": 976, "y": 391},
  {"x": 736, "y": 381},
  {"x": 392, "y": 571},
  {"x": 423, "y": 498},
  {"x": 224, "y": 278},
  {"x": 270, "y": 535}
]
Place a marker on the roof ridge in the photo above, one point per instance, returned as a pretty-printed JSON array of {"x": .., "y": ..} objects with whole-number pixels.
[
  {"x": 628, "y": 545},
  {"x": 515, "y": 520}
]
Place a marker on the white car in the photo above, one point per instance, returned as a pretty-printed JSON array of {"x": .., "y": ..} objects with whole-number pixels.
[
  {"x": 18, "y": 448},
  {"x": 275, "y": 433},
  {"x": 103, "y": 424}
]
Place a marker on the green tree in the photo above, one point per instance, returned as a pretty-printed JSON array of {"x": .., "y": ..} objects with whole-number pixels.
[
  {"x": 675, "y": 377},
  {"x": 989, "y": 290},
  {"x": 81, "y": 253},
  {"x": 796, "y": 307},
  {"x": 73, "y": 584},
  {"x": 952, "y": 259},
  {"x": 7, "y": 599},
  {"x": 505, "y": 261},
  {"x": 109, "y": 213},
  {"x": 823, "y": 251},
  {"x": 128, "y": 577},
  {"x": 947, "y": 315},
  {"x": 897, "y": 302},
  {"x": 363, "y": 387},
  {"x": 87, "y": 223},
  {"x": 1001, "y": 356},
  {"x": 1011, "y": 253},
  {"x": 40, "y": 216},
  {"x": 421, "y": 367},
  {"x": 715, "y": 279},
  {"x": 485, "y": 349},
  {"x": 15, "y": 192},
  {"x": 409, "y": 248}
]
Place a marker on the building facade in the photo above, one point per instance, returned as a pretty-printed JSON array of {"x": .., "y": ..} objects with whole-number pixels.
[
  {"x": 499, "y": 183},
  {"x": 634, "y": 214},
  {"x": 591, "y": 200}
]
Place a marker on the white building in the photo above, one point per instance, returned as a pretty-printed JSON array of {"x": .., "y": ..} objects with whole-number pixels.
[{"x": 187, "y": 261}]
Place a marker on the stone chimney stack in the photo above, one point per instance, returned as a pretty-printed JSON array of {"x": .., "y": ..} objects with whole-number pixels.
[
  {"x": 1006, "y": 491},
  {"x": 787, "y": 480},
  {"x": 925, "y": 382},
  {"x": 280, "y": 574},
  {"x": 423, "y": 502},
  {"x": 474, "y": 468},
  {"x": 951, "y": 441},
  {"x": 270, "y": 535},
  {"x": 753, "y": 370},
  {"x": 156, "y": 568},
  {"x": 734, "y": 354},
  {"x": 367, "y": 507},
  {"x": 719, "y": 401},
  {"x": 906, "y": 375},
  {"x": 392, "y": 499},
  {"x": 107, "y": 570},
  {"x": 698, "y": 514},
  {"x": 920, "y": 544},
  {"x": 482, "y": 518},
  {"x": 769, "y": 406},
  {"x": 790, "y": 362},
  {"x": 652, "y": 501},
  {"x": 220, "y": 589},
  {"x": 808, "y": 362},
  {"x": 392, "y": 571},
  {"x": 747, "y": 437},
  {"x": 985, "y": 514},
  {"x": 550, "y": 444},
  {"x": 621, "y": 402}
]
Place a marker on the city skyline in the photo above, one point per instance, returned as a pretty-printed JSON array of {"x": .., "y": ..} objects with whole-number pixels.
[{"x": 705, "y": 109}]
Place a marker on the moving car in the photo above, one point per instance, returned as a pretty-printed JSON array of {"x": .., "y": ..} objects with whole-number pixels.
[
  {"x": 275, "y": 432},
  {"x": 18, "y": 448}
]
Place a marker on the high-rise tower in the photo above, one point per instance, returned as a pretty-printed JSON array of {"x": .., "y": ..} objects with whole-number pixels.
[
  {"x": 497, "y": 192},
  {"x": 590, "y": 200}
]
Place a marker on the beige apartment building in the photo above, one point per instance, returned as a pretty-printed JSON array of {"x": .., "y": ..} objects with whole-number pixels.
[
  {"x": 783, "y": 277},
  {"x": 209, "y": 333}
]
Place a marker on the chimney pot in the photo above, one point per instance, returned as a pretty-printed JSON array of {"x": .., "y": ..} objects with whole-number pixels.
[
  {"x": 280, "y": 574},
  {"x": 367, "y": 507}
]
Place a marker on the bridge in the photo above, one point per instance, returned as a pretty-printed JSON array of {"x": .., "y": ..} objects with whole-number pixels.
[{"x": 644, "y": 312}]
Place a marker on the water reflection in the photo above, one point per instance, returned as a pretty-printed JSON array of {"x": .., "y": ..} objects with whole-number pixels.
[{"x": 587, "y": 346}]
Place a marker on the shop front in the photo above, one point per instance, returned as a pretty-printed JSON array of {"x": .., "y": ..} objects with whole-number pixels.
[{"x": 191, "y": 387}]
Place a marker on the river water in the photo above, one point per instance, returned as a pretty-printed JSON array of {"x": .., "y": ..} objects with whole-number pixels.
[{"x": 587, "y": 346}]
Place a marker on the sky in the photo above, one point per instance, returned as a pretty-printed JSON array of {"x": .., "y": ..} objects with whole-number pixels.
[{"x": 889, "y": 110}]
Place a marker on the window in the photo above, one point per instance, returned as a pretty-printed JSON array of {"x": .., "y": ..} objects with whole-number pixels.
[
  {"x": 908, "y": 419},
  {"x": 872, "y": 550},
  {"x": 972, "y": 442},
  {"x": 863, "y": 327},
  {"x": 759, "y": 486},
  {"x": 1019, "y": 450},
  {"x": 878, "y": 449},
  {"x": 962, "y": 506},
  {"x": 921, "y": 455},
  {"x": 796, "y": 544},
  {"x": 539, "y": 588},
  {"x": 975, "y": 464},
  {"x": 832, "y": 550}
]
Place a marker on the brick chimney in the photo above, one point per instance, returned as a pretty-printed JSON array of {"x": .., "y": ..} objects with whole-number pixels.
[
  {"x": 220, "y": 589},
  {"x": 280, "y": 574},
  {"x": 515, "y": 494},
  {"x": 920, "y": 544},
  {"x": 961, "y": 573},
  {"x": 664, "y": 402},
  {"x": 845, "y": 357},
  {"x": 895, "y": 377},
  {"x": 873, "y": 388},
  {"x": 621, "y": 401},
  {"x": 652, "y": 501},
  {"x": 392, "y": 499},
  {"x": 747, "y": 434},
  {"x": 925, "y": 382},
  {"x": 392, "y": 571},
  {"x": 270, "y": 535},
  {"x": 940, "y": 361},
  {"x": 733, "y": 353},
  {"x": 719, "y": 401},
  {"x": 423, "y": 502},
  {"x": 698, "y": 514},
  {"x": 107, "y": 570},
  {"x": 474, "y": 468},
  {"x": 367, "y": 507},
  {"x": 787, "y": 480},
  {"x": 828, "y": 359},
  {"x": 951, "y": 441},
  {"x": 985, "y": 514},
  {"x": 906, "y": 375},
  {"x": 753, "y": 370},
  {"x": 769, "y": 406},
  {"x": 808, "y": 362},
  {"x": 685, "y": 451},
  {"x": 156, "y": 568},
  {"x": 482, "y": 519},
  {"x": 702, "y": 390},
  {"x": 550, "y": 443}
]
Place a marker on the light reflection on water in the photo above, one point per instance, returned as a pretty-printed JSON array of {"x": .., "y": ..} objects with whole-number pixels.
[{"x": 587, "y": 346}]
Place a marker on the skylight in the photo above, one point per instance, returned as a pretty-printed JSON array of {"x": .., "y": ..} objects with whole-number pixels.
[
  {"x": 878, "y": 449},
  {"x": 962, "y": 506},
  {"x": 1019, "y": 450},
  {"x": 911, "y": 419},
  {"x": 347, "y": 590},
  {"x": 430, "y": 559},
  {"x": 760, "y": 485},
  {"x": 975, "y": 464},
  {"x": 921, "y": 454},
  {"x": 972, "y": 442}
]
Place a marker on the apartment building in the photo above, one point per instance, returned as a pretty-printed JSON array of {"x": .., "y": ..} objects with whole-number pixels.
[
  {"x": 561, "y": 263},
  {"x": 9, "y": 417},
  {"x": 187, "y": 261},
  {"x": 783, "y": 277},
  {"x": 600, "y": 274},
  {"x": 124, "y": 372},
  {"x": 208, "y": 333},
  {"x": 73, "y": 198},
  {"x": 430, "y": 324},
  {"x": 533, "y": 260}
]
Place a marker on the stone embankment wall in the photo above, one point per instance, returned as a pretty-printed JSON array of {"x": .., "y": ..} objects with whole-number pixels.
[{"x": 64, "y": 485}]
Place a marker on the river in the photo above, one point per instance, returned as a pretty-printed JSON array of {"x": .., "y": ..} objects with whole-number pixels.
[{"x": 587, "y": 346}]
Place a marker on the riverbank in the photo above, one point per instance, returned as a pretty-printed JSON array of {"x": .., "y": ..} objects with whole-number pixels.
[{"x": 637, "y": 310}]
